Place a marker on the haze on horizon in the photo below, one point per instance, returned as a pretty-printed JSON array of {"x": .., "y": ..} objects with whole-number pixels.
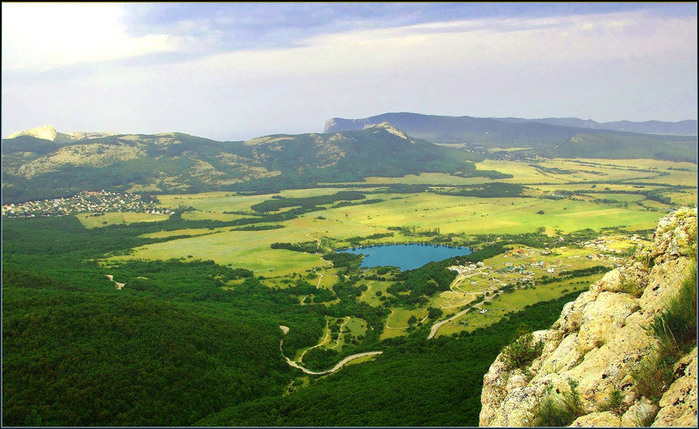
[{"x": 234, "y": 71}]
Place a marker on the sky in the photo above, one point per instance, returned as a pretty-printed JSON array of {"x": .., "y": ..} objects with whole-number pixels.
[{"x": 234, "y": 71}]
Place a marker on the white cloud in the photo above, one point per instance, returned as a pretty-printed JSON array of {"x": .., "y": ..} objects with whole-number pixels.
[
  {"x": 633, "y": 65},
  {"x": 44, "y": 36}
]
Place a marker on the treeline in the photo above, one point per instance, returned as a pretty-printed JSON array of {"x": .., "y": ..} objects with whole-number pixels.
[
  {"x": 278, "y": 203},
  {"x": 582, "y": 272},
  {"x": 356, "y": 241},
  {"x": 486, "y": 190},
  {"x": 305, "y": 246},
  {"x": 421, "y": 283},
  {"x": 344, "y": 260},
  {"x": 350, "y": 203}
]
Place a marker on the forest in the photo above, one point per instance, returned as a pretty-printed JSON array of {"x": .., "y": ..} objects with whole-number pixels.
[{"x": 178, "y": 345}]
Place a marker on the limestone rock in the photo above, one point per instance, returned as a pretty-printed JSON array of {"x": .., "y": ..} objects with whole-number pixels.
[
  {"x": 678, "y": 406},
  {"x": 599, "y": 340},
  {"x": 597, "y": 420}
]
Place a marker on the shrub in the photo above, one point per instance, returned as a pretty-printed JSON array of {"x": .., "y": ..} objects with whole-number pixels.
[
  {"x": 615, "y": 403},
  {"x": 559, "y": 410},
  {"x": 654, "y": 375},
  {"x": 675, "y": 330},
  {"x": 675, "y": 327},
  {"x": 522, "y": 351}
]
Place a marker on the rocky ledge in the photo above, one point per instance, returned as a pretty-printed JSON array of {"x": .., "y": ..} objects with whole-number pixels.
[{"x": 592, "y": 356}]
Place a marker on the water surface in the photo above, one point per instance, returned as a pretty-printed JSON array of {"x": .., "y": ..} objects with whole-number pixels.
[{"x": 405, "y": 256}]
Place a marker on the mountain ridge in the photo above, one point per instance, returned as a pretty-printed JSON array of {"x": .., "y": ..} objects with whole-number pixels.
[
  {"x": 36, "y": 168},
  {"x": 680, "y": 128}
]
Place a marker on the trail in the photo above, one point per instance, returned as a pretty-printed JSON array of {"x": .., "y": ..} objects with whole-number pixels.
[
  {"x": 313, "y": 238},
  {"x": 117, "y": 285},
  {"x": 388, "y": 327},
  {"x": 320, "y": 275},
  {"x": 322, "y": 342},
  {"x": 438, "y": 325},
  {"x": 337, "y": 366},
  {"x": 337, "y": 343}
]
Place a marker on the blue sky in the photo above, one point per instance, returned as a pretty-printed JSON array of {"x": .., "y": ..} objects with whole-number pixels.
[{"x": 233, "y": 71}]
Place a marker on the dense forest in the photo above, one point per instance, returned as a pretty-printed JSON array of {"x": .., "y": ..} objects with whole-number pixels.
[
  {"x": 193, "y": 342},
  {"x": 413, "y": 383}
]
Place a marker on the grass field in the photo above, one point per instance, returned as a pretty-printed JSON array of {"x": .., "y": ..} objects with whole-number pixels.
[
  {"x": 397, "y": 322},
  {"x": 603, "y": 201},
  {"x": 472, "y": 215},
  {"x": 450, "y": 214},
  {"x": 428, "y": 179},
  {"x": 369, "y": 295},
  {"x": 90, "y": 221},
  {"x": 514, "y": 301}
]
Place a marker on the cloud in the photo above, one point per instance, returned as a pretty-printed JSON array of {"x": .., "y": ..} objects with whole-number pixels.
[
  {"x": 635, "y": 65},
  {"x": 44, "y": 36}
]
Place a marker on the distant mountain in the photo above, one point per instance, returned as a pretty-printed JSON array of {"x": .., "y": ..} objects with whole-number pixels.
[
  {"x": 681, "y": 128},
  {"x": 35, "y": 167},
  {"x": 48, "y": 132},
  {"x": 402, "y": 120},
  {"x": 540, "y": 138}
]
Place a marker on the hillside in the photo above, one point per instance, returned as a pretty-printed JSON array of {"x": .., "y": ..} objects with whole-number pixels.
[
  {"x": 681, "y": 128},
  {"x": 623, "y": 354},
  {"x": 36, "y": 167},
  {"x": 548, "y": 138}
]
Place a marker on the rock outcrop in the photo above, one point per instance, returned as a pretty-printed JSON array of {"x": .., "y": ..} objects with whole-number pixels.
[
  {"x": 48, "y": 132},
  {"x": 599, "y": 342}
]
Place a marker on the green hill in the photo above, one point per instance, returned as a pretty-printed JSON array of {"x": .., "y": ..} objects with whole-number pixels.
[{"x": 35, "y": 168}]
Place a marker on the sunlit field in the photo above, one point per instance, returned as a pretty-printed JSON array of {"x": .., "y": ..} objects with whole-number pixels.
[
  {"x": 596, "y": 205},
  {"x": 116, "y": 218}
]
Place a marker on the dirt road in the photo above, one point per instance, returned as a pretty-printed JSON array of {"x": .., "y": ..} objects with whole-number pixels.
[{"x": 328, "y": 371}]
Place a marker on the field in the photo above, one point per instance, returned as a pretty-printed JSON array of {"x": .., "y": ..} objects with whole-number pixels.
[
  {"x": 560, "y": 197},
  {"x": 602, "y": 194},
  {"x": 226, "y": 261},
  {"x": 91, "y": 221}
]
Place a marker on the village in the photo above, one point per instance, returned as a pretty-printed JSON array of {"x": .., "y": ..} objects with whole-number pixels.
[
  {"x": 84, "y": 202},
  {"x": 526, "y": 266}
]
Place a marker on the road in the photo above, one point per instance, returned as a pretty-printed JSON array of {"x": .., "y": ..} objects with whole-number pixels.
[{"x": 337, "y": 366}]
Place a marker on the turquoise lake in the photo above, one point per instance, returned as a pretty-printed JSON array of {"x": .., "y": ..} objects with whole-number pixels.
[{"x": 405, "y": 256}]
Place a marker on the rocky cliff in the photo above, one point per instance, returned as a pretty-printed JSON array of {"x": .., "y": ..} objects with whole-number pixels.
[{"x": 591, "y": 363}]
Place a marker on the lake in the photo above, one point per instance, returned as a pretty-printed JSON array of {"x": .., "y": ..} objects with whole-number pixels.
[{"x": 405, "y": 256}]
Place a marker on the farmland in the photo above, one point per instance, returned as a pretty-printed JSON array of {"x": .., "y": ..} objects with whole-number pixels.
[{"x": 539, "y": 236}]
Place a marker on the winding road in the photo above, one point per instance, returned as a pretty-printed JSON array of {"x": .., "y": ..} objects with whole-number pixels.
[
  {"x": 438, "y": 325},
  {"x": 337, "y": 366}
]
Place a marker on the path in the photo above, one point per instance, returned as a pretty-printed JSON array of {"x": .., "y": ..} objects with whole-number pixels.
[
  {"x": 323, "y": 341},
  {"x": 438, "y": 325},
  {"x": 116, "y": 284},
  {"x": 339, "y": 336},
  {"x": 337, "y": 366},
  {"x": 388, "y": 327},
  {"x": 320, "y": 275}
]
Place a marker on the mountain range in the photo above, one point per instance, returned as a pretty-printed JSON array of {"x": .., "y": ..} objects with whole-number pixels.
[
  {"x": 44, "y": 163},
  {"x": 453, "y": 127},
  {"x": 36, "y": 167}
]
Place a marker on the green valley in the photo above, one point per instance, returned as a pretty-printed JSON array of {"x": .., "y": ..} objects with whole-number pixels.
[{"x": 115, "y": 317}]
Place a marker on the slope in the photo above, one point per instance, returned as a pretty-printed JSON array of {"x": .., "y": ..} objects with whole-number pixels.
[
  {"x": 543, "y": 139},
  {"x": 173, "y": 162}
]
